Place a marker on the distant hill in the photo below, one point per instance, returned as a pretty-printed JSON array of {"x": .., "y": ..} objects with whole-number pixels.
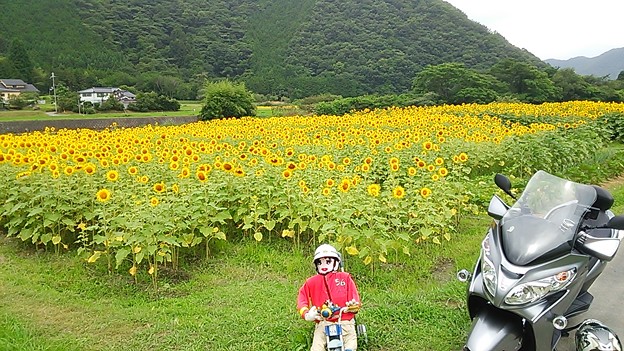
[
  {"x": 610, "y": 64},
  {"x": 289, "y": 47}
]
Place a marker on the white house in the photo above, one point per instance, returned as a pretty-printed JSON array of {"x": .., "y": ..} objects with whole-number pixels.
[{"x": 97, "y": 95}]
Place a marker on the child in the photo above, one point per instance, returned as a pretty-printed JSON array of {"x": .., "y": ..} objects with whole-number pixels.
[{"x": 328, "y": 292}]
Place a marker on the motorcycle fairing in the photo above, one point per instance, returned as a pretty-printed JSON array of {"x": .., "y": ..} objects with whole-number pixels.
[{"x": 543, "y": 223}]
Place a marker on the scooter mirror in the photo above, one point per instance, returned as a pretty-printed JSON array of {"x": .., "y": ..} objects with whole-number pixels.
[
  {"x": 616, "y": 222},
  {"x": 504, "y": 183},
  {"x": 602, "y": 248}
]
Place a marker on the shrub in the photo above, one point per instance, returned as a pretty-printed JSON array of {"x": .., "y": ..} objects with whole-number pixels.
[{"x": 226, "y": 99}]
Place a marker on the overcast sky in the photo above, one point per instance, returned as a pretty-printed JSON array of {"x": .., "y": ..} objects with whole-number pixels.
[{"x": 559, "y": 29}]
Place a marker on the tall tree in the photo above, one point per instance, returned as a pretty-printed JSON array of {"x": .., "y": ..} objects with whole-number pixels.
[{"x": 19, "y": 58}]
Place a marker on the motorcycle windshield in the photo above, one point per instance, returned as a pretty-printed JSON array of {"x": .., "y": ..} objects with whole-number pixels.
[{"x": 545, "y": 219}]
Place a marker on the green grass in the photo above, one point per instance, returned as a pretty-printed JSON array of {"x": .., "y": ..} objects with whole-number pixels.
[{"x": 243, "y": 298}]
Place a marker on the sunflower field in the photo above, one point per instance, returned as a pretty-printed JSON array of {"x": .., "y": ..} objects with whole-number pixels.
[{"x": 374, "y": 183}]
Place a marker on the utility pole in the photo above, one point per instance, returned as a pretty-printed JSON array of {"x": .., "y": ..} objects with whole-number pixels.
[{"x": 54, "y": 89}]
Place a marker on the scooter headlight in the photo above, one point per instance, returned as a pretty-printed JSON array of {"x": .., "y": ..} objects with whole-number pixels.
[
  {"x": 535, "y": 290},
  {"x": 489, "y": 275}
]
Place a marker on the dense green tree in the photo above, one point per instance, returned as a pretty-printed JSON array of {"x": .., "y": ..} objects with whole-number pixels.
[
  {"x": 6, "y": 68},
  {"x": 66, "y": 99},
  {"x": 226, "y": 99},
  {"x": 152, "y": 101},
  {"x": 526, "y": 81},
  {"x": 20, "y": 59},
  {"x": 111, "y": 104},
  {"x": 454, "y": 83},
  {"x": 573, "y": 86}
]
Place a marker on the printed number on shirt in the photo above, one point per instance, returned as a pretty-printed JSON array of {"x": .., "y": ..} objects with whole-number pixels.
[{"x": 340, "y": 282}]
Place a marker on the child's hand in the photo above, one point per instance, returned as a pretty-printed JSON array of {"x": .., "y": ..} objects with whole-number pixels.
[
  {"x": 353, "y": 306},
  {"x": 312, "y": 315}
]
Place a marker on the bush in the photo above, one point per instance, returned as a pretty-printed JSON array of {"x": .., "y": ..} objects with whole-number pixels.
[
  {"x": 226, "y": 99},
  {"x": 153, "y": 102}
]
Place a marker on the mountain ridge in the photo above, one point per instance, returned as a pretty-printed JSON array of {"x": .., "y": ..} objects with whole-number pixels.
[
  {"x": 348, "y": 48},
  {"x": 608, "y": 64}
]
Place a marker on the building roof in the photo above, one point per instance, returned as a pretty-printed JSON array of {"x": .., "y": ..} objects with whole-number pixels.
[
  {"x": 107, "y": 90},
  {"x": 17, "y": 85}
]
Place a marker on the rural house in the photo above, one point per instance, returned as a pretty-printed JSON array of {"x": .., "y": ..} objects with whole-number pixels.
[
  {"x": 13, "y": 88},
  {"x": 97, "y": 95}
]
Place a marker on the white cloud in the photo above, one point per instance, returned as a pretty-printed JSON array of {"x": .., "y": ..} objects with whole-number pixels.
[{"x": 552, "y": 28}]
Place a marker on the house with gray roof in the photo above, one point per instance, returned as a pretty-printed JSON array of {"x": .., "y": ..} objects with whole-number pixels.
[
  {"x": 14, "y": 87},
  {"x": 97, "y": 95}
]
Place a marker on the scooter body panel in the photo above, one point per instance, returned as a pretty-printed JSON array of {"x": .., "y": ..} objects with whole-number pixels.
[{"x": 499, "y": 324}]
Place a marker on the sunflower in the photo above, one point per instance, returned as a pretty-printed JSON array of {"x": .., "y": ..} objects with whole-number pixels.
[
  {"x": 425, "y": 192},
  {"x": 398, "y": 192},
  {"x": 89, "y": 169},
  {"x": 330, "y": 183},
  {"x": 286, "y": 174},
  {"x": 345, "y": 184},
  {"x": 154, "y": 202},
  {"x": 365, "y": 167},
  {"x": 412, "y": 171},
  {"x": 133, "y": 170},
  {"x": 185, "y": 172},
  {"x": 463, "y": 157},
  {"x": 373, "y": 189},
  {"x": 201, "y": 175},
  {"x": 443, "y": 172},
  {"x": 68, "y": 170},
  {"x": 326, "y": 191},
  {"x": 439, "y": 161},
  {"x": 227, "y": 166},
  {"x": 427, "y": 145},
  {"x": 159, "y": 187},
  {"x": 103, "y": 195},
  {"x": 112, "y": 175}
]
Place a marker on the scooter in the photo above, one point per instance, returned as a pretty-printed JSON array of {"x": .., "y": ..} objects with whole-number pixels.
[
  {"x": 529, "y": 286},
  {"x": 333, "y": 332}
]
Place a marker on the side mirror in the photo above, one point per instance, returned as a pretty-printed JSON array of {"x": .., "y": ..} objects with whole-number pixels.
[
  {"x": 602, "y": 248},
  {"x": 616, "y": 222},
  {"x": 504, "y": 183}
]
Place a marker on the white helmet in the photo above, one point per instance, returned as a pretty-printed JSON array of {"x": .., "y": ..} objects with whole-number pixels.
[
  {"x": 326, "y": 250},
  {"x": 592, "y": 335}
]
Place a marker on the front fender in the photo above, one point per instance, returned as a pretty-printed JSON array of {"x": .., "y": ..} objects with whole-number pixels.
[{"x": 494, "y": 330}]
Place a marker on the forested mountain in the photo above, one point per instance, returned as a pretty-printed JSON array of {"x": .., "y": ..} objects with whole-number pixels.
[
  {"x": 610, "y": 64},
  {"x": 280, "y": 47}
]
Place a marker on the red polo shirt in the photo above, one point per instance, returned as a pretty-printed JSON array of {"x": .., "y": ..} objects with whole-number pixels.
[{"x": 338, "y": 287}]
